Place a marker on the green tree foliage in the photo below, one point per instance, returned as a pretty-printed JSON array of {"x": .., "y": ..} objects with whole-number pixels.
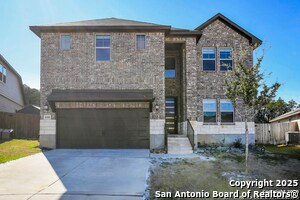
[
  {"x": 246, "y": 84},
  {"x": 32, "y": 96},
  {"x": 274, "y": 109}
]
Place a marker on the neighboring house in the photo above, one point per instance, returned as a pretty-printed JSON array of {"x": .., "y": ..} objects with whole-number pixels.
[
  {"x": 116, "y": 83},
  {"x": 293, "y": 118},
  {"x": 11, "y": 88},
  {"x": 30, "y": 109}
]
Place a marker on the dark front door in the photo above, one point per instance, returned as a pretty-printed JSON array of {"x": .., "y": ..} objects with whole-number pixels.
[
  {"x": 171, "y": 115},
  {"x": 103, "y": 128}
]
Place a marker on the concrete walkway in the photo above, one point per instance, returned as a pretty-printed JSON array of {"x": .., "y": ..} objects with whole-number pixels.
[{"x": 76, "y": 174}]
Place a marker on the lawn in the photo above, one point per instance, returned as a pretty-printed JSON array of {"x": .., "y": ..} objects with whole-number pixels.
[
  {"x": 284, "y": 149},
  {"x": 15, "y": 149},
  {"x": 198, "y": 174}
]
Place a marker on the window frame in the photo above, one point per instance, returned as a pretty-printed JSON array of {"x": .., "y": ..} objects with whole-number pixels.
[
  {"x": 215, "y": 59},
  {"x": 216, "y": 111},
  {"x": 1, "y": 71},
  {"x": 60, "y": 41},
  {"x": 3, "y": 77},
  {"x": 174, "y": 66},
  {"x": 227, "y": 111},
  {"x": 136, "y": 41},
  {"x": 220, "y": 59},
  {"x": 4, "y": 74},
  {"x": 103, "y": 47}
]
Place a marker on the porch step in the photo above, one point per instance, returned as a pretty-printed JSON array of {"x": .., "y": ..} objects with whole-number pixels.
[{"x": 179, "y": 145}]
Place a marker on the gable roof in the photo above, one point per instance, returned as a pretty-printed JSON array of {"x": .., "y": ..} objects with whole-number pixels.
[
  {"x": 100, "y": 24},
  {"x": 117, "y": 24},
  {"x": 287, "y": 115},
  {"x": 30, "y": 109},
  {"x": 10, "y": 68},
  {"x": 253, "y": 40}
]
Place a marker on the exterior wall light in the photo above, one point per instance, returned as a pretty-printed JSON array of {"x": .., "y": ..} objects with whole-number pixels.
[
  {"x": 156, "y": 107},
  {"x": 46, "y": 107}
]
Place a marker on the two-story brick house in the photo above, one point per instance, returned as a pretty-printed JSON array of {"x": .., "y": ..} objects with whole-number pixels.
[{"x": 115, "y": 83}]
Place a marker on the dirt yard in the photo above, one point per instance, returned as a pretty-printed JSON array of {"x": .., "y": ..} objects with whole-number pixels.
[{"x": 204, "y": 173}]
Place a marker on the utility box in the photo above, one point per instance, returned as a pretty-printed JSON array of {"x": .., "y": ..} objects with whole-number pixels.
[
  {"x": 294, "y": 138},
  {"x": 6, "y": 134}
]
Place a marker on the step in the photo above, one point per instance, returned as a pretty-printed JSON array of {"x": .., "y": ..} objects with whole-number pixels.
[
  {"x": 180, "y": 151},
  {"x": 179, "y": 145},
  {"x": 177, "y": 139}
]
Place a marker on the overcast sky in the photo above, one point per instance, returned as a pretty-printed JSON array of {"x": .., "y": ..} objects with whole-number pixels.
[{"x": 277, "y": 23}]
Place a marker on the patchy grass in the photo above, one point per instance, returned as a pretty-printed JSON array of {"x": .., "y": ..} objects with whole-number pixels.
[
  {"x": 233, "y": 157},
  {"x": 283, "y": 149},
  {"x": 15, "y": 149},
  {"x": 196, "y": 174}
]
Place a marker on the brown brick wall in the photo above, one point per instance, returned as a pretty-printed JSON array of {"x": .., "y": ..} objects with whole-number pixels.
[
  {"x": 210, "y": 84},
  {"x": 129, "y": 68}
]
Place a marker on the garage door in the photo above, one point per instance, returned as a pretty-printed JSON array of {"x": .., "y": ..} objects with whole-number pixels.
[{"x": 103, "y": 128}]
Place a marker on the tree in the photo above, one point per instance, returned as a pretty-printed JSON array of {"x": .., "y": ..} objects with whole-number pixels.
[
  {"x": 274, "y": 109},
  {"x": 32, "y": 95},
  {"x": 246, "y": 85}
]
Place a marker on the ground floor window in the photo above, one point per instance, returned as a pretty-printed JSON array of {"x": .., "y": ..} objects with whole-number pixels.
[
  {"x": 226, "y": 110},
  {"x": 209, "y": 110}
]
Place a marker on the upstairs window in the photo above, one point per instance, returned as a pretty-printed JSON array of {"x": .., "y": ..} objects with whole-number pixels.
[
  {"x": 140, "y": 41},
  {"x": 226, "y": 109},
  {"x": 102, "y": 47},
  {"x": 209, "y": 59},
  {"x": 2, "y": 74},
  {"x": 170, "y": 69},
  {"x": 209, "y": 110},
  {"x": 65, "y": 42},
  {"x": 225, "y": 59}
]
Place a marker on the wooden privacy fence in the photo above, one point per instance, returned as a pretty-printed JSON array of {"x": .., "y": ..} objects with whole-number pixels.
[
  {"x": 26, "y": 126},
  {"x": 273, "y": 133}
]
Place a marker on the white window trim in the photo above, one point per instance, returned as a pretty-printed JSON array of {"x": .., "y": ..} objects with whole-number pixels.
[
  {"x": 215, "y": 59},
  {"x": 221, "y": 111},
  {"x": 2, "y": 68},
  {"x": 209, "y": 111},
  {"x": 136, "y": 47},
  {"x": 220, "y": 59},
  {"x": 60, "y": 38},
  {"x": 102, "y": 48}
]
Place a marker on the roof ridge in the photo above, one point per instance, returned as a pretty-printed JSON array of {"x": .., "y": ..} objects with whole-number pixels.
[{"x": 103, "y": 19}]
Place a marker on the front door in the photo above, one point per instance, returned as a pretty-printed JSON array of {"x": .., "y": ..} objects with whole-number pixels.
[{"x": 171, "y": 115}]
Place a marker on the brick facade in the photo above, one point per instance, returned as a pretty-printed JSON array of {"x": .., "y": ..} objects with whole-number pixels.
[
  {"x": 129, "y": 68},
  {"x": 210, "y": 84}
]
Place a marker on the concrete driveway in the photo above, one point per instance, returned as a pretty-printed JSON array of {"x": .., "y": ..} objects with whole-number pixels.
[{"x": 76, "y": 174}]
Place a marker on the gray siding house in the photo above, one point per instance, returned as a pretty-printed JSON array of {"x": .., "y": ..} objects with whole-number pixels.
[
  {"x": 11, "y": 88},
  {"x": 116, "y": 83}
]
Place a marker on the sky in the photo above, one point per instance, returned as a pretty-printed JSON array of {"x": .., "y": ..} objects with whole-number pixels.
[{"x": 275, "y": 22}]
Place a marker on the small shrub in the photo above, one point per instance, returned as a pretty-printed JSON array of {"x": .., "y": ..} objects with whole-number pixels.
[{"x": 237, "y": 143}]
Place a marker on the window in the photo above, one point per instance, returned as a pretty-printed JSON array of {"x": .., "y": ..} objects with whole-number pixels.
[
  {"x": 225, "y": 59},
  {"x": 226, "y": 109},
  {"x": 170, "y": 69},
  {"x": 209, "y": 111},
  {"x": 102, "y": 47},
  {"x": 209, "y": 59},
  {"x": 2, "y": 74},
  {"x": 65, "y": 42},
  {"x": 140, "y": 41}
]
